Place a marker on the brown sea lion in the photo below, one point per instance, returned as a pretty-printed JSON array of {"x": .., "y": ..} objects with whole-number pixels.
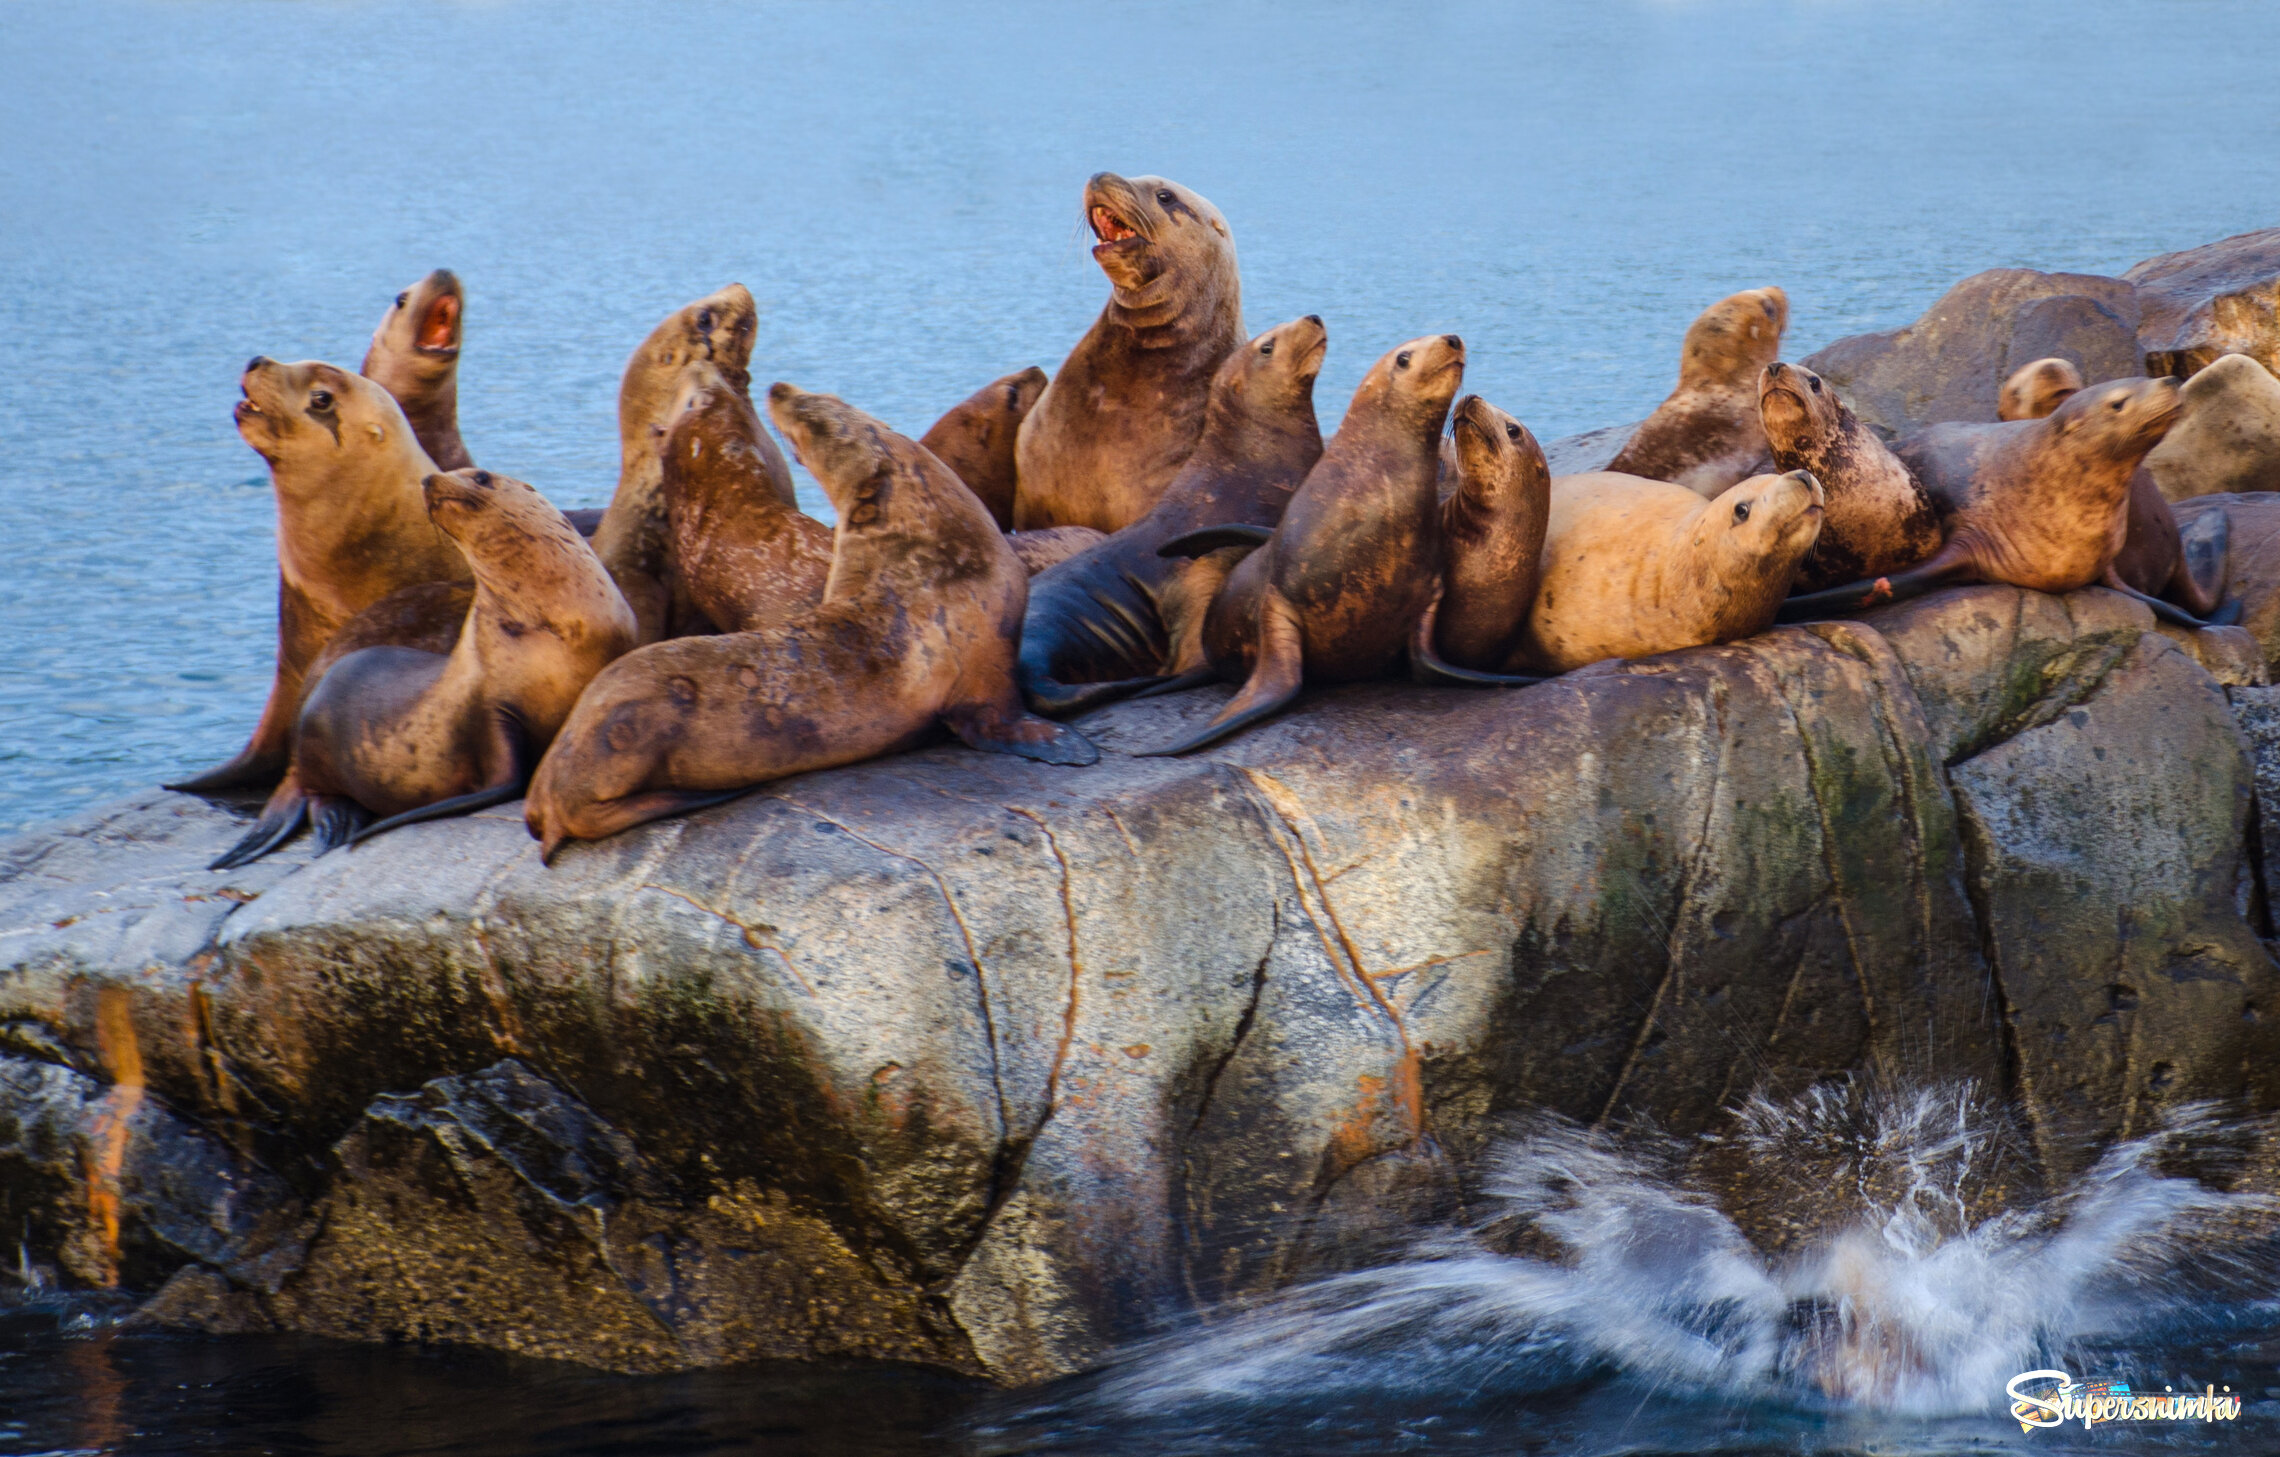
[
  {"x": 1337, "y": 593},
  {"x": 1492, "y": 543},
  {"x": 351, "y": 529},
  {"x": 2041, "y": 504},
  {"x": 1049, "y": 546},
  {"x": 409, "y": 735},
  {"x": 916, "y": 629},
  {"x": 976, "y": 438},
  {"x": 1634, "y": 567},
  {"x": 1707, "y": 436},
  {"x": 2153, "y": 559},
  {"x": 415, "y": 357},
  {"x": 634, "y": 539},
  {"x": 1127, "y": 406},
  {"x": 1119, "y": 617},
  {"x": 1878, "y": 516},
  {"x": 740, "y": 556}
]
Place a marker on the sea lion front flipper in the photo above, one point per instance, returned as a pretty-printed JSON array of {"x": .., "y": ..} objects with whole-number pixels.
[
  {"x": 1426, "y": 665},
  {"x": 285, "y": 813},
  {"x": 1205, "y": 540},
  {"x": 2163, "y": 611},
  {"x": 1009, "y": 729},
  {"x": 335, "y": 819},
  {"x": 1950, "y": 566},
  {"x": 1274, "y": 682}
]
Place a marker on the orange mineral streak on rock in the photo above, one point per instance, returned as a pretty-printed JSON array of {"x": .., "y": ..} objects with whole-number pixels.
[{"x": 106, "y": 1152}]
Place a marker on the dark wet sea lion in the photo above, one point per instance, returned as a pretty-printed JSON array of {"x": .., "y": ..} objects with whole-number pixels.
[
  {"x": 634, "y": 539},
  {"x": 1634, "y": 567},
  {"x": 407, "y": 735},
  {"x": 916, "y": 629},
  {"x": 351, "y": 529},
  {"x": 1118, "y": 617},
  {"x": 2041, "y": 504},
  {"x": 1127, "y": 405},
  {"x": 1706, "y": 436},
  {"x": 415, "y": 357},
  {"x": 741, "y": 557},
  {"x": 1492, "y": 540},
  {"x": 976, "y": 438},
  {"x": 1337, "y": 593},
  {"x": 1878, "y": 517}
]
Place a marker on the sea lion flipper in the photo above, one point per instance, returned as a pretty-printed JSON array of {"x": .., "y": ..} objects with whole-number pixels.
[
  {"x": 1951, "y": 565},
  {"x": 1208, "y": 539},
  {"x": 1061, "y": 700},
  {"x": 265, "y": 757},
  {"x": 2163, "y": 611},
  {"x": 512, "y": 748},
  {"x": 1009, "y": 729},
  {"x": 1426, "y": 665},
  {"x": 1178, "y": 683},
  {"x": 284, "y": 814},
  {"x": 334, "y": 820},
  {"x": 1274, "y": 682}
]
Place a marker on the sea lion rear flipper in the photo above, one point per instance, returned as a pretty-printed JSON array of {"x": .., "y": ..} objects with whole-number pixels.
[
  {"x": 513, "y": 742},
  {"x": 1060, "y": 699},
  {"x": 1274, "y": 682},
  {"x": 2163, "y": 611},
  {"x": 1949, "y": 566},
  {"x": 285, "y": 813},
  {"x": 1426, "y": 665},
  {"x": 1008, "y": 729},
  {"x": 1178, "y": 683},
  {"x": 1208, "y": 539},
  {"x": 335, "y": 819}
]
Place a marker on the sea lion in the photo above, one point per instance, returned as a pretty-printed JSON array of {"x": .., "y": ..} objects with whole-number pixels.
[
  {"x": 634, "y": 539},
  {"x": 916, "y": 629},
  {"x": 2229, "y": 436},
  {"x": 1634, "y": 567},
  {"x": 1119, "y": 617},
  {"x": 351, "y": 529},
  {"x": 1337, "y": 593},
  {"x": 1127, "y": 406},
  {"x": 2153, "y": 559},
  {"x": 1049, "y": 546},
  {"x": 1492, "y": 542},
  {"x": 741, "y": 556},
  {"x": 1878, "y": 518},
  {"x": 976, "y": 438},
  {"x": 2041, "y": 504},
  {"x": 415, "y": 357},
  {"x": 407, "y": 734},
  {"x": 1707, "y": 435}
]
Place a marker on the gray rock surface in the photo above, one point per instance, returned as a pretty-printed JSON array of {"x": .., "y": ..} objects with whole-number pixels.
[
  {"x": 2220, "y": 298},
  {"x": 1572, "y": 455}
]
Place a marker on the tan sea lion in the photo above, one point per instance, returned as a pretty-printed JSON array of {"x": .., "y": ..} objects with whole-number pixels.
[
  {"x": 407, "y": 735},
  {"x": 916, "y": 629},
  {"x": 351, "y": 529},
  {"x": 634, "y": 539},
  {"x": 1120, "y": 617},
  {"x": 1707, "y": 435},
  {"x": 1337, "y": 593},
  {"x": 1492, "y": 544},
  {"x": 1878, "y": 518},
  {"x": 976, "y": 438},
  {"x": 2037, "y": 388},
  {"x": 1127, "y": 406},
  {"x": 2041, "y": 504},
  {"x": 1634, "y": 567},
  {"x": 415, "y": 357},
  {"x": 2229, "y": 436},
  {"x": 741, "y": 556}
]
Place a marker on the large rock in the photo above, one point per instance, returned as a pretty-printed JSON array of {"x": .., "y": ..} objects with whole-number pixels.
[
  {"x": 958, "y": 1058},
  {"x": 2221, "y": 298},
  {"x": 1951, "y": 363},
  {"x": 2228, "y": 439}
]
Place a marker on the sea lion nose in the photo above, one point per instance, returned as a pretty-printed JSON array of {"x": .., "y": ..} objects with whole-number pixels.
[
  {"x": 1453, "y": 341},
  {"x": 1315, "y": 320},
  {"x": 256, "y": 362}
]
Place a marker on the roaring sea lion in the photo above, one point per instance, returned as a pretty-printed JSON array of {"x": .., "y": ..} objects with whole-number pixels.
[
  {"x": 351, "y": 529},
  {"x": 1634, "y": 567},
  {"x": 1119, "y": 617},
  {"x": 415, "y": 357},
  {"x": 1707, "y": 436},
  {"x": 2037, "y": 388},
  {"x": 976, "y": 438},
  {"x": 916, "y": 629},
  {"x": 634, "y": 539},
  {"x": 1127, "y": 406},
  {"x": 1878, "y": 517},
  {"x": 2229, "y": 437},
  {"x": 2041, "y": 504},
  {"x": 742, "y": 557},
  {"x": 1337, "y": 593},
  {"x": 1492, "y": 542}
]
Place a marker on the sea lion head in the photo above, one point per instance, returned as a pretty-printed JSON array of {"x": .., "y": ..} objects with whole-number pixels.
[
  {"x": 1754, "y": 535},
  {"x": 312, "y": 412},
  {"x": 1733, "y": 339},
  {"x": 532, "y": 568},
  {"x": 1273, "y": 374},
  {"x": 1156, "y": 239},
  {"x": 717, "y": 329},
  {"x": 417, "y": 343},
  {"x": 2034, "y": 390},
  {"x": 711, "y": 432},
  {"x": 2119, "y": 420},
  {"x": 896, "y": 502},
  {"x": 1413, "y": 384},
  {"x": 1800, "y": 412},
  {"x": 1492, "y": 446}
]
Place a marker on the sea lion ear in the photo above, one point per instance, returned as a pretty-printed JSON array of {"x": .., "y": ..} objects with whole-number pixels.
[
  {"x": 379, "y": 431},
  {"x": 1219, "y": 226}
]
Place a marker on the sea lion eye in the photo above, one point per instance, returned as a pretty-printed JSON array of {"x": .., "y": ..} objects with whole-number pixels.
[
  {"x": 1164, "y": 196},
  {"x": 320, "y": 399},
  {"x": 1741, "y": 511},
  {"x": 1266, "y": 350},
  {"x": 1813, "y": 383},
  {"x": 403, "y": 298},
  {"x": 1401, "y": 360},
  {"x": 1512, "y": 433}
]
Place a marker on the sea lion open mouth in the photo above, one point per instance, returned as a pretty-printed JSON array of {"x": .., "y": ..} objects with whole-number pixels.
[
  {"x": 1108, "y": 227},
  {"x": 439, "y": 329}
]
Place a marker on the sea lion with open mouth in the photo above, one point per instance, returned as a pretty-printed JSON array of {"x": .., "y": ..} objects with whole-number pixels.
[
  {"x": 635, "y": 539},
  {"x": 415, "y": 357},
  {"x": 1878, "y": 517},
  {"x": 1120, "y": 617},
  {"x": 1337, "y": 593},
  {"x": 916, "y": 630},
  {"x": 976, "y": 438},
  {"x": 351, "y": 529},
  {"x": 1127, "y": 406},
  {"x": 1707, "y": 436}
]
